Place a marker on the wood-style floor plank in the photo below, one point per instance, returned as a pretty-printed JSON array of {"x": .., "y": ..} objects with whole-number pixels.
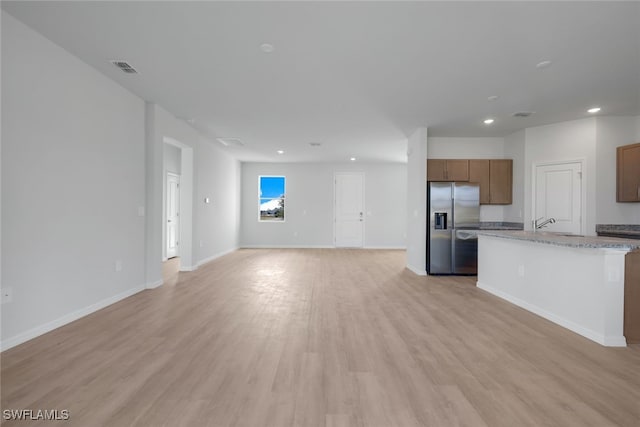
[{"x": 320, "y": 337}]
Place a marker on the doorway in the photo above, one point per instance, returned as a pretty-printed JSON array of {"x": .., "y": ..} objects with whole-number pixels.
[
  {"x": 173, "y": 214},
  {"x": 349, "y": 210},
  {"x": 557, "y": 195},
  {"x": 178, "y": 160}
]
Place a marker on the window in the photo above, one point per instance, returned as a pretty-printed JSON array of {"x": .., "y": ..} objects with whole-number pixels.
[{"x": 271, "y": 190}]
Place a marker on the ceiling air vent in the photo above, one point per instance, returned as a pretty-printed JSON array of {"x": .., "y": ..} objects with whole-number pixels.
[
  {"x": 230, "y": 142},
  {"x": 124, "y": 66},
  {"x": 522, "y": 114}
]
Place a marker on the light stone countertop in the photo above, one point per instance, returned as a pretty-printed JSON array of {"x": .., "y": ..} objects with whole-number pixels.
[{"x": 565, "y": 239}]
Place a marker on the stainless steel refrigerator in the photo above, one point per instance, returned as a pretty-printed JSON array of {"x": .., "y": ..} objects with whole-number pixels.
[{"x": 454, "y": 213}]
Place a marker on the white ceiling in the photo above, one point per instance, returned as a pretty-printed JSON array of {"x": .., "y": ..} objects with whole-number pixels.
[{"x": 358, "y": 77}]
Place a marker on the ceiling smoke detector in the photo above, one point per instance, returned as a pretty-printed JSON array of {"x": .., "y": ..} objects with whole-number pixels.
[
  {"x": 124, "y": 66},
  {"x": 522, "y": 114},
  {"x": 227, "y": 142}
]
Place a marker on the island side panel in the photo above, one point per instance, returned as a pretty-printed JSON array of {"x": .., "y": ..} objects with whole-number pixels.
[{"x": 581, "y": 289}]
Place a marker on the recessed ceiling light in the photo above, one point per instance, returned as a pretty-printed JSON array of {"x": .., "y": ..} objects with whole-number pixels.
[
  {"x": 280, "y": 152},
  {"x": 593, "y": 110},
  {"x": 488, "y": 121},
  {"x": 543, "y": 64},
  {"x": 493, "y": 98},
  {"x": 353, "y": 159},
  {"x": 266, "y": 47}
]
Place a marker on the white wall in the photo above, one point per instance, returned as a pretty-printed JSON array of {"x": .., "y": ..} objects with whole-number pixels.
[
  {"x": 72, "y": 185},
  {"x": 612, "y": 132},
  {"x": 514, "y": 149},
  {"x": 172, "y": 159},
  {"x": 217, "y": 224},
  {"x": 573, "y": 140},
  {"x": 470, "y": 148},
  {"x": 465, "y": 148},
  {"x": 417, "y": 201},
  {"x": 309, "y": 205}
]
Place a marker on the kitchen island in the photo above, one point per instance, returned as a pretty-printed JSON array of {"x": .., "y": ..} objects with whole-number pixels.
[{"x": 574, "y": 281}]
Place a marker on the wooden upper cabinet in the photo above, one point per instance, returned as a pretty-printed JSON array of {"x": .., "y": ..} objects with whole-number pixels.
[
  {"x": 479, "y": 172},
  {"x": 628, "y": 173},
  {"x": 447, "y": 170},
  {"x": 495, "y": 176},
  {"x": 457, "y": 170},
  {"x": 436, "y": 170},
  {"x": 501, "y": 181}
]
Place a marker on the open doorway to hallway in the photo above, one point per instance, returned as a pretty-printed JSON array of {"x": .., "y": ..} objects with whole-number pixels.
[
  {"x": 171, "y": 229},
  {"x": 172, "y": 212},
  {"x": 177, "y": 203}
]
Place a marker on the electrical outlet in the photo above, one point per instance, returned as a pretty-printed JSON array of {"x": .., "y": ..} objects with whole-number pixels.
[
  {"x": 140, "y": 210},
  {"x": 201, "y": 243},
  {"x": 118, "y": 265},
  {"x": 521, "y": 270},
  {"x": 7, "y": 295}
]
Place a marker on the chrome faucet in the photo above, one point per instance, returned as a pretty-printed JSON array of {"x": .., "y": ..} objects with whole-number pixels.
[{"x": 543, "y": 223}]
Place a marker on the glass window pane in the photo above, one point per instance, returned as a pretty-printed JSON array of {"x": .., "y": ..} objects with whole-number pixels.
[{"x": 272, "y": 197}]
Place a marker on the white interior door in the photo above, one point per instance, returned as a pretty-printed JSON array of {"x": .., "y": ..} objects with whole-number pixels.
[
  {"x": 558, "y": 195},
  {"x": 349, "y": 210},
  {"x": 173, "y": 214}
]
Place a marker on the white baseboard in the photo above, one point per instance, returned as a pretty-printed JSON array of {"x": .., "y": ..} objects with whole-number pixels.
[
  {"x": 418, "y": 271},
  {"x": 612, "y": 341},
  {"x": 68, "y": 318},
  {"x": 154, "y": 284},
  {"x": 214, "y": 257},
  {"x": 317, "y": 247},
  {"x": 287, "y": 247},
  {"x": 387, "y": 247}
]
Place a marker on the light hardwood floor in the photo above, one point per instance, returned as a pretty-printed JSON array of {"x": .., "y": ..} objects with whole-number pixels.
[{"x": 320, "y": 338}]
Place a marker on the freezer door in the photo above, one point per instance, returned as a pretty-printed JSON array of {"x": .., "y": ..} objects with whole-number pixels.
[
  {"x": 466, "y": 208},
  {"x": 439, "y": 250},
  {"x": 465, "y": 252},
  {"x": 439, "y": 199}
]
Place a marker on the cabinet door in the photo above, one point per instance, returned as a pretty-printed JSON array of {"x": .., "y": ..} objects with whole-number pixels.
[
  {"x": 628, "y": 171},
  {"x": 457, "y": 170},
  {"x": 632, "y": 297},
  {"x": 436, "y": 170},
  {"x": 479, "y": 172},
  {"x": 500, "y": 181}
]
